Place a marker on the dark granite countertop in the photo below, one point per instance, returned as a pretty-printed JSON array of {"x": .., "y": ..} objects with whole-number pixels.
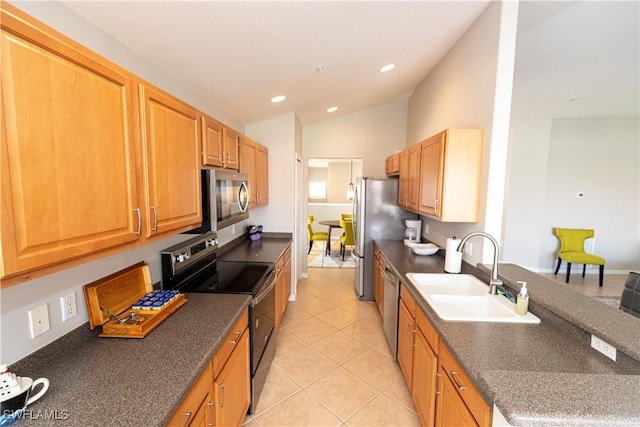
[
  {"x": 126, "y": 382},
  {"x": 543, "y": 374},
  {"x": 267, "y": 249}
]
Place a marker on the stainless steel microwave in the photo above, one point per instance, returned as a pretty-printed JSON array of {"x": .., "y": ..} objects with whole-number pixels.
[{"x": 225, "y": 200}]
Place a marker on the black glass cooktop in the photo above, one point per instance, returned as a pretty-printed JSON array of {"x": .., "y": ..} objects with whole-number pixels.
[{"x": 241, "y": 277}]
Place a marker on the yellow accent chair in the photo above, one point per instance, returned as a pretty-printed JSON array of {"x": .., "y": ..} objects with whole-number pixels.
[
  {"x": 347, "y": 238},
  {"x": 346, "y": 217},
  {"x": 320, "y": 236},
  {"x": 572, "y": 250}
]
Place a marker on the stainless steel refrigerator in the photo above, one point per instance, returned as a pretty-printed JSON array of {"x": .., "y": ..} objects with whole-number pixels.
[{"x": 376, "y": 216}]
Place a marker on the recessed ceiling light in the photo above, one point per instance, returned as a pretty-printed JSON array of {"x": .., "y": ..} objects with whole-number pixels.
[
  {"x": 278, "y": 98},
  {"x": 332, "y": 109},
  {"x": 387, "y": 67}
]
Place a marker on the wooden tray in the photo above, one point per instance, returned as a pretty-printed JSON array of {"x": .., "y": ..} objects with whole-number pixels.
[{"x": 116, "y": 293}]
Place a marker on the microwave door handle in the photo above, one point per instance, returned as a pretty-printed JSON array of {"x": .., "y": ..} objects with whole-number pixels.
[{"x": 243, "y": 202}]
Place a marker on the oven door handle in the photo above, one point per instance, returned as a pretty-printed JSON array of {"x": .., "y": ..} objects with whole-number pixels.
[{"x": 265, "y": 290}]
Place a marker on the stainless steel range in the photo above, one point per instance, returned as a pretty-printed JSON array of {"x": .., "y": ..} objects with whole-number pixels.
[{"x": 193, "y": 266}]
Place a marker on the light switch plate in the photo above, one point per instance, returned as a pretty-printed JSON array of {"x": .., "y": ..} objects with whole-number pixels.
[{"x": 39, "y": 320}]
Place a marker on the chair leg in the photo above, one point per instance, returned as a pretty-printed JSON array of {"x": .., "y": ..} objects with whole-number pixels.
[
  {"x": 310, "y": 245},
  {"x": 584, "y": 269},
  {"x": 601, "y": 274},
  {"x": 558, "y": 266},
  {"x": 568, "y": 272}
]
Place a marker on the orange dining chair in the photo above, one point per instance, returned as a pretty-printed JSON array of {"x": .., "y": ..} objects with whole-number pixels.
[{"x": 572, "y": 250}]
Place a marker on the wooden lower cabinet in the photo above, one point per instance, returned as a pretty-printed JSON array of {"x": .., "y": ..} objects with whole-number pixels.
[
  {"x": 451, "y": 410},
  {"x": 283, "y": 284},
  {"x": 232, "y": 387},
  {"x": 198, "y": 407},
  {"x": 425, "y": 367},
  {"x": 222, "y": 394},
  {"x": 442, "y": 393},
  {"x": 458, "y": 395}
]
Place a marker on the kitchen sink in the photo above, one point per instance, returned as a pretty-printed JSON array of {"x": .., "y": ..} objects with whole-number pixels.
[
  {"x": 450, "y": 284},
  {"x": 463, "y": 297}
]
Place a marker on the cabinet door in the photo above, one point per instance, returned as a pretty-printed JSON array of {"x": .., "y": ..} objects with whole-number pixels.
[
  {"x": 196, "y": 409},
  {"x": 431, "y": 175},
  {"x": 171, "y": 141},
  {"x": 211, "y": 142},
  {"x": 405, "y": 342},
  {"x": 231, "y": 142},
  {"x": 451, "y": 410},
  {"x": 425, "y": 366},
  {"x": 248, "y": 160},
  {"x": 232, "y": 387},
  {"x": 414, "y": 178},
  {"x": 403, "y": 185},
  {"x": 263, "y": 175},
  {"x": 67, "y": 159}
]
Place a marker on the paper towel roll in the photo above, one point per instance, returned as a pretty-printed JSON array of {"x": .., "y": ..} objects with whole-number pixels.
[{"x": 452, "y": 258}]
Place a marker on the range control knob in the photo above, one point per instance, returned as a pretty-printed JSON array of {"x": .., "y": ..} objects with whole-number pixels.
[
  {"x": 187, "y": 255},
  {"x": 180, "y": 258}
]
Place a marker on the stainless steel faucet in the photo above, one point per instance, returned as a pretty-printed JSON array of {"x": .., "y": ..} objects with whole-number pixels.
[{"x": 495, "y": 282}]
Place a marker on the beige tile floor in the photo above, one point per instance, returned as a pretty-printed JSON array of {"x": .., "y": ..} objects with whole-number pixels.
[{"x": 333, "y": 366}]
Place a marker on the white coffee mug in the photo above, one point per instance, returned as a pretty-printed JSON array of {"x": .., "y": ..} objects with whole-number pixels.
[{"x": 39, "y": 394}]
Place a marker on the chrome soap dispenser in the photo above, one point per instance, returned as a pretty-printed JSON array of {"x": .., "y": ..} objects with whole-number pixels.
[{"x": 522, "y": 302}]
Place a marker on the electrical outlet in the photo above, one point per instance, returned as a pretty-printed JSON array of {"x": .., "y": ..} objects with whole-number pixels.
[
  {"x": 68, "y": 306},
  {"x": 233, "y": 229},
  {"x": 39, "y": 320},
  {"x": 604, "y": 347},
  {"x": 426, "y": 228},
  {"x": 468, "y": 248}
]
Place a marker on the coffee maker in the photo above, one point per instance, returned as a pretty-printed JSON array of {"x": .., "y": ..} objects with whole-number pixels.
[{"x": 413, "y": 230}]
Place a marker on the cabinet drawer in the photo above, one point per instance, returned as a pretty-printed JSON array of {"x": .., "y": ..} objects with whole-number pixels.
[
  {"x": 471, "y": 397},
  {"x": 427, "y": 330},
  {"x": 408, "y": 300},
  {"x": 229, "y": 344}
]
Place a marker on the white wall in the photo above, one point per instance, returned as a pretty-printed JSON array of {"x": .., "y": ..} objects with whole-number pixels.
[
  {"x": 371, "y": 135},
  {"x": 550, "y": 162},
  {"x": 461, "y": 92},
  {"x": 279, "y": 136},
  {"x": 16, "y": 301}
]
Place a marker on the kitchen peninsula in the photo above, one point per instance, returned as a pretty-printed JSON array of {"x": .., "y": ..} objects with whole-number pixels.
[{"x": 545, "y": 374}]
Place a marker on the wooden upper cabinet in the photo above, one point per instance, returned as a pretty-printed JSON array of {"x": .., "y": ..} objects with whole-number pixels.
[
  {"x": 68, "y": 159},
  {"x": 171, "y": 146},
  {"x": 262, "y": 167},
  {"x": 248, "y": 165},
  {"x": 212, "y": 142},
  {"x": 254, "y": 161},
  {"x": 392, "y": 165},
  {"x": 450, "y": 175},
  {"x": 230, "y": 151},
  {"x": 409, "y": 186}
]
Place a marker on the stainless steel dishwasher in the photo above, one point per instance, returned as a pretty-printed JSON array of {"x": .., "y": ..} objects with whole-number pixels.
[{"x": 391, "y": 300}]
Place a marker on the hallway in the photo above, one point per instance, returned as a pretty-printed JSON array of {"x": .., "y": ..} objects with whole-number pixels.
[{"x": 333, "y": 366}]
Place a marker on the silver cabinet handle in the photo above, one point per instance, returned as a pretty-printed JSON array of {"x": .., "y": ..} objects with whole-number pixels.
[
  {"x": 413, "y": 332},
  {"x": 155, "y": 214},
  {"x": 238, "y": 333},
  {"x": 435, "y": 209},
  {"x": 221, "y": 404},
  {"x": 137, "y": 210},
  {"x": 454, "y": 377},
  {"x": 213, "y": 413},
  {"x": 438, "y": 375},
  {"x": 188, "y": 415}
]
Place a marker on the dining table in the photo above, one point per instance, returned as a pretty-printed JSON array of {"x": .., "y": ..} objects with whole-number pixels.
[{"x": 331, "y": 223}]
